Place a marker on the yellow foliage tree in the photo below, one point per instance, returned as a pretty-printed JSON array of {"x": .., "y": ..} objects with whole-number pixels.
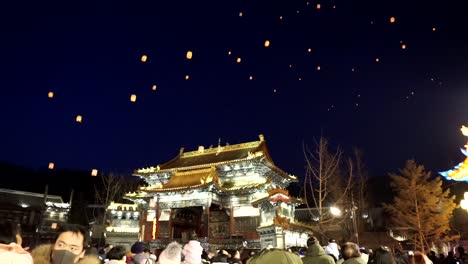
[{"x": 421, "y": 206}]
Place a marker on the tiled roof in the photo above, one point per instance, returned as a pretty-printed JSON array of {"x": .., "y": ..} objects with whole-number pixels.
[{"x": 187, "y": 180}]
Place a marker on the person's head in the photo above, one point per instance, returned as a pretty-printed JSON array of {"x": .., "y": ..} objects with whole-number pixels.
[
  {"x": 331, "y": 240},
  {"x": 138, "y": 248},
  {"x": 268, "y": 256},
  {"x": 172, "y": 254},
  {"x": 350, "y": 250},
  {"x": 71, "y": 239},
  {"x": 8, "y": 233},
  {"x": 117, "y": 253},
  {"x": 383, "y": 255},
  {"x": 312, "y": 241}
]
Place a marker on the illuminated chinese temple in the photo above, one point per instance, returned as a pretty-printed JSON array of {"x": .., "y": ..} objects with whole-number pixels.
[{"x": 222, "y": 196}]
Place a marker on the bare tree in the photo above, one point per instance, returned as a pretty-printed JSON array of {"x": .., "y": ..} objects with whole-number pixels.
[
  {"x": 324, "y": 185},
  {"x": 110, "y": 189}
]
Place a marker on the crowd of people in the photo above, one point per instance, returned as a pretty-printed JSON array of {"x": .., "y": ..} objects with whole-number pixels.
[{"x": 71, "y": 246}]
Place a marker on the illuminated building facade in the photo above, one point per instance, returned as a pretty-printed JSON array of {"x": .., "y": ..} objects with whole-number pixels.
[
  {"x": 124, "y": 224},
  {"x": 223, "y": 195}
]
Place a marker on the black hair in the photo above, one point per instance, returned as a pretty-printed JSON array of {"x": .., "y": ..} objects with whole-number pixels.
[
  {"x": 383, "y": 255},
  {"x": 117, "y": 253},
  {"x": 76, "y": 229},
  {"x": 8, "y": 232}
]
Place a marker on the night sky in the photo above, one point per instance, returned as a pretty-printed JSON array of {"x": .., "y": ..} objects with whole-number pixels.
[{"x": 408, "y": 104}]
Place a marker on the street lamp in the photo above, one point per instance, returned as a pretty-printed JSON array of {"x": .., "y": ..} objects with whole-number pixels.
[
  {"x": 335, "y": 211},
  {"x": 464, "y": 202}
]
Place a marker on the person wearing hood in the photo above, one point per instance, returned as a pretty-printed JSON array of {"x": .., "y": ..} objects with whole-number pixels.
[
  {"x": 70, "y": 247},
  {"x": 316, "y": 254},
  {"x": 10, "y": 251},
  {"x": 117, "y": 255},
  {"x": 274, "y": 256}
]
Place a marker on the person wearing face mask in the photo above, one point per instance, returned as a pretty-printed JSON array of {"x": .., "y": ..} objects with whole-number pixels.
[{"x": 69, "y": 248}]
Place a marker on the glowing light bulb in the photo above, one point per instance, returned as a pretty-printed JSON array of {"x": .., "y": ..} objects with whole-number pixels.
[{"x": 189, "y": 55}]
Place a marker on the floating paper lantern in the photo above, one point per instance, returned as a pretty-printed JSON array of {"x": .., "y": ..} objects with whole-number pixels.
[
  {"x": 318, "y": 68},
  {"x": 187, "y": 77},
  {"x": 392, "y": 20},
  {"x": 319, "y": 6},
  {"x": 434, "y": 29},
  {"x": 154, "y": 87},
  {"x": 281, "y": 17},
  {"x": 309, "y": 50},
  {"x": 229, "y": 52},
  {"x": 79, "y": 118},
  {"x": 274, "y": 90},
  {"x": 240, "y": 14},
  {"x": 94, "y": 172},
  {"x": 377, "y": 60},
  {"x": 238, "y": 60},
  {"x": 189, "y": 55},
  {"x": 51, "y": 165},
  {"x": 250, "y": 77},
  {"x": 50, "y": 95},
  {"x": 144, "y": 58},
  {"x": 133, "y": 98},
  {"x": 403, "y": 46},
  {"x": 267, "y": 43}
]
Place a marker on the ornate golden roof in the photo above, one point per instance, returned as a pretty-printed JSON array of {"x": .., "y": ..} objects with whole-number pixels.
[
  {"x": 203, "y": 158},
  {"x": 187, "y": 180}
]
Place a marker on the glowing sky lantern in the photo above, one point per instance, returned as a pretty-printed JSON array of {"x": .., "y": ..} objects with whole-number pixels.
[
  {"x": 50, "y": 95},
  {"x": 240, "y": 14},
  {"x": 377, "y": 59},
  {"x": 392, "y": 20},
  {"x": 187, "y": 77},
  {"x": 460, "y": 172},
  {"x": 267, "y": 43},
  {"x": 94, "y": 172},
  {"x": 238, "y": 60},
  {"x": 133, "y": 98},
  {"x": 250, "y": 77},
  {"x": 51, "y": 165},
  {"x": 144, "y": 58},
  {"x": 154, "y": 87},
  {"x": 318, "y": 68},
  {"x": 229, "y": 52},
  {"x": 403, "y": 46},
  {"x": 434, "y": 29},
  {"x": 189, "y": 55},
  {"x": 319, "y": 6},
  {"x": 79, "y": 119},
  {"x": 309, "y": 50}
]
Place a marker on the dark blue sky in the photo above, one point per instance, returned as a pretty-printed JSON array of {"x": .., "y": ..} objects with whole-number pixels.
[{"x": 409, "y": 105}]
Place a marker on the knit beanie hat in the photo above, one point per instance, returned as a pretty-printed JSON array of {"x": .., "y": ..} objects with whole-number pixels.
[
  {"x": 192, "y": 252},
  {"x": 171, "y": 255},
  {"x": 138, "y": 247}
]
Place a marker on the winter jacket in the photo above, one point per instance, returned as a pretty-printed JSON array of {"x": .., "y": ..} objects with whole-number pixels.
[
  {"x": 356, "y": 260},
  {"x": 14, "y": 254},
  {"x": 42, "y": 255},
  {"x": 332, "y": 248},
  {"x": 141, "y": 258},
  {"x": 316, "y": 255},
  {"x": 274, "y": 256}
]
